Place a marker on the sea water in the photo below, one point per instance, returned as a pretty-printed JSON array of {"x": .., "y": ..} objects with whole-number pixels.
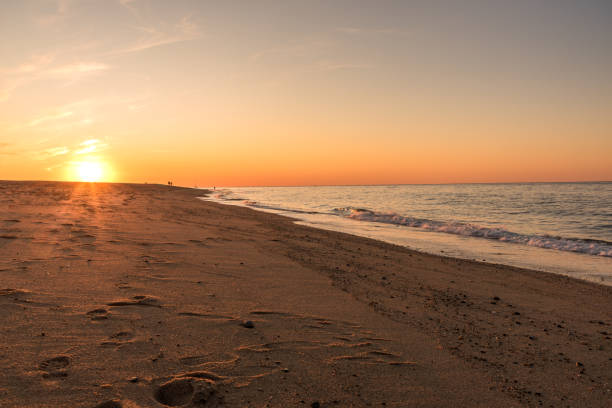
[{"x": 555, "y": 227}]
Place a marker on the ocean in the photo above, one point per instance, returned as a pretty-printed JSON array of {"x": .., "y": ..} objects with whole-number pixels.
[{"x": 562, "y": 228}]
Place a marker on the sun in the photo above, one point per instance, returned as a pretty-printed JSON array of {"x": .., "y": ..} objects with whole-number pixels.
[{"x": 89, "y": 171}]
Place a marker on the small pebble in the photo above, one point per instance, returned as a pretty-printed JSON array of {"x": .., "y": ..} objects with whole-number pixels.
[{"x": 248, "y": 324}]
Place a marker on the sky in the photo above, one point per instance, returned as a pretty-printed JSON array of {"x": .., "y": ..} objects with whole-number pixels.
[{"x": 235, "y": 93}]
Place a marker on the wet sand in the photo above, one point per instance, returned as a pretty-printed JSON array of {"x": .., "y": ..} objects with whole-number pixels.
[{"x": 144, "y": 296}]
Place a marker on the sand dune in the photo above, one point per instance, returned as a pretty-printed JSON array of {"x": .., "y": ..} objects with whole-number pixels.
[{"x": 143, "y": 296}]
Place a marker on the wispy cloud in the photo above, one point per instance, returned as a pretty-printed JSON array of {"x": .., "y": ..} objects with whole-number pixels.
[
  {"x": 302, "y": 49},
  {"x": 151, "y": 36},
  {"x": 58, "y": 156},
  {"x": 57, "y": 151},
  {"x": 40, "y": 67},
  {"x": 26, "y": 72},
  {"x": 91, "y": 146},
  {"x": 35, "y": 64},
  {"x": 50, "y": 153},
  {"x": 130, "y": 6},
  {"x": 79, "y": 68},
  {"x": 48, "y": 118},
  {"x": 61, "y": 11},
  {"x": 335, "y": 66}
]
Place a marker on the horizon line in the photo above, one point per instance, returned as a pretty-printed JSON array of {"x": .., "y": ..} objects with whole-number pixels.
[{"x": 319, "y": 185}]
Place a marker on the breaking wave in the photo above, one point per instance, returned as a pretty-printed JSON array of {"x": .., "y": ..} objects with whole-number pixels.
[
  {"x": 578, "y": 245},
  {"x": 591, "y": 247}
]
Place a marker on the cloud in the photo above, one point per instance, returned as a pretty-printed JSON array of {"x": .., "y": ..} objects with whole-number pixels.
[
  {"x": 335, "y": 66},
  {"x": 57, "y": 156},
  {"x": 90, "y": 142},
  {"x": 57, "y": 151},
  {"x": 91, "y": 146},
  {"x": 184, "y": 30},
  {"x": 35, "y": 64},
  {"x": 50, "y": 153},
  {"x": 39, "y": 67},
  {"x": 13, "y": 78},
  {"x": 128, "y": 5},
  {"x": 62, "y": 10},
  {"x": 47, "y": 118},
  {"x": 296, "y": 50},
  {"x": 79, "y": 68}
]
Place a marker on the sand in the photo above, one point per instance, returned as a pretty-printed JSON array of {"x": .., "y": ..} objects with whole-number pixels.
[{"x": 144, "y": 296}]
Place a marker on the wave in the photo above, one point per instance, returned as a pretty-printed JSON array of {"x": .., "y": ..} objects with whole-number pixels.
[
  {"x": 255, "y": 204},
  {"x": 585, "y": 246},
  {"x": 227, "y": 195}
]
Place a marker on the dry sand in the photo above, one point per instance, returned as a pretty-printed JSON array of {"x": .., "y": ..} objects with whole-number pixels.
[{"x": 144, "y": 296}]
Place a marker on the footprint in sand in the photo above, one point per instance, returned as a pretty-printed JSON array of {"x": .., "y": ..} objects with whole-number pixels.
[
  {"x": 140, "y": 300},
  {"x": 123, "y": 335},
  {"x": 55, "y": 367},
  {"x": 188, "y": 390},
  {"x": 98, "y": 314},
  {"x": 118, "y": 339}
]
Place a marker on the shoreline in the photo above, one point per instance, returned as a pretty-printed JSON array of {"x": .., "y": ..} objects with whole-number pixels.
[
  {"x": 585, "y": 267},
  {"x": 399, "y": 247},
  {"x": 160, "y": 283}
]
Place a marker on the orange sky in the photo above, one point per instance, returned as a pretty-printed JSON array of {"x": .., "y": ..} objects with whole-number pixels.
[{"x": 294, "y": 93}]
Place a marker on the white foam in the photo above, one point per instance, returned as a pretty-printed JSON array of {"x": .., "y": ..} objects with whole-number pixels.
[{"x": 591, "y": 247}]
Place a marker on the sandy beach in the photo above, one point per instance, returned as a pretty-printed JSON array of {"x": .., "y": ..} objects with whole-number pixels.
[{"x": 118, "y": 295}]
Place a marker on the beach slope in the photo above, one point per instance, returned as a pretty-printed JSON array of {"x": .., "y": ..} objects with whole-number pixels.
[{"x": 116, "y": 295}]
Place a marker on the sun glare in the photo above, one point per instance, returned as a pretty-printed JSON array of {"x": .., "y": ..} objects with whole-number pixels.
[{"x": 89, "y": 171}]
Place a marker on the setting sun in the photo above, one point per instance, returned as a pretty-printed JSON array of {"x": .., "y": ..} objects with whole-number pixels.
[
  {"x": 411, "y": 200},
  {"x": 89, "y": 171}
]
